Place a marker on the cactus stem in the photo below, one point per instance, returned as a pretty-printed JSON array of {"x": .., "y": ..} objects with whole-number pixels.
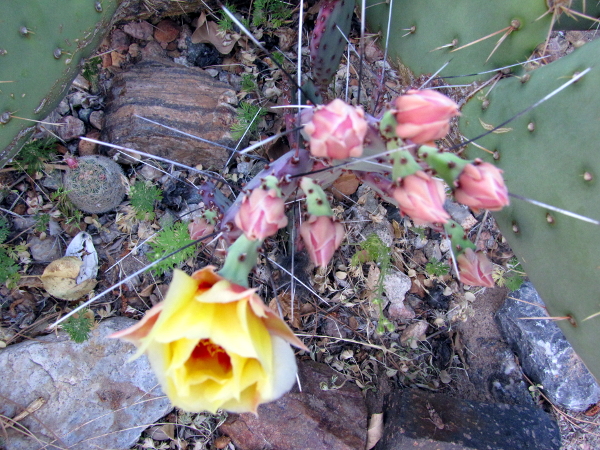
[{"x": 241, "y": 258}]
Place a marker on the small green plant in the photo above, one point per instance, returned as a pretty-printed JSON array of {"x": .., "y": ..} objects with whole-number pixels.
[
  {"x": 41, "y": 222},
  {"x": 373, "y": 249},
  {"x": 512, "y": 277},
  {"x": 436, "y": 268},
  {"x": 270, "y": 13},
  {"x": 167, "y": 241},
  {"x": 248, "y": 83},
  {"x": 248, "y": 117},
  {"x": 278, "y": 57},
  {"x": 4, "y": 229},
  {"x": 79, "y": 325},
  {"x": 35, "y": 154},
  {"x": 90, "y": 71},
  {"x": 9, "y": 270},
  {"x": 64, "y": 205},
  {"x": 143, "y": 196},
  {"x": 226, "y": 24}
]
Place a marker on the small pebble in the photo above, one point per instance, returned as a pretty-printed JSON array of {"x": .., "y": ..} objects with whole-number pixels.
[
  {"x": 139, "y": 30},
  {"x": 71, "y": 128},
  {"x": 97, "y": 119}
]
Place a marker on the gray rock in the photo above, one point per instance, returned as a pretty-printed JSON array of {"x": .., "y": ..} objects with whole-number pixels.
[
  {"x": 415, "y": 419},
  {"x": 46, "y": 250},
  {"x": 395, "y": 286},
  {"x": 71, "y": 128},
  {"x": 93, "y": 397},
  {"x": 546, "y": 356}
]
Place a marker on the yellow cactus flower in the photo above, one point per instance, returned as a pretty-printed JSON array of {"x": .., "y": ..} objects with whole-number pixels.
[{"x": 215, "y": 345}]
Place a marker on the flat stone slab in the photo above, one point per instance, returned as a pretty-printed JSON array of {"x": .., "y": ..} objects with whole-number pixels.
[
  {"x": 545, "y": 355},
  {"x": 329, "y": 414},
  {"x": 93, "y": 398},
  {"x": 415, "y": 419}
]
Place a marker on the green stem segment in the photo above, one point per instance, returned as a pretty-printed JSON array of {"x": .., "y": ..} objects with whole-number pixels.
[
  {"x": 403, "y": 164},
  {"x": 447, "y": 166},
  {"x": 458, "y": 237},
  {"x": 241, "y": 258},
  {"x": 316, "y": 200}
]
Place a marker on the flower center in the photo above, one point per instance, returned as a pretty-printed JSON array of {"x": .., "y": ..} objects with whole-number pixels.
[{"x": 207, "y": 350}]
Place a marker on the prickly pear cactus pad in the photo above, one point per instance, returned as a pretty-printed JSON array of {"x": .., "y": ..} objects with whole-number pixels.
[
  {"x": 42, "y": 44},
  {"x": 551, "y": 154},
  {"x": 424, "y": 33}
]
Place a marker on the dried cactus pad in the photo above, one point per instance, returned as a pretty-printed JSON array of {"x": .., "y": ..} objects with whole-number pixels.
[{"x": 96, "y": 185}]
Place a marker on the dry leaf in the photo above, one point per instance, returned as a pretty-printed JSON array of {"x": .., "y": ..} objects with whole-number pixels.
[
  {"x": 59, "y": 279},
  {"x": 208, "y": 32},
  {"x": 345, "y": 185},
  {"x": 375, "y": 430},
  {"x": 285, "y": 301}
]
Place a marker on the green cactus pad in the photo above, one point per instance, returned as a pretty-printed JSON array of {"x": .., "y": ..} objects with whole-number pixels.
[
  {"x": 550, "y": 154},
  {"x": 422, "y": 26},
  {"x": 42, "y": 45},
  {"x": 328, "y": 42}
]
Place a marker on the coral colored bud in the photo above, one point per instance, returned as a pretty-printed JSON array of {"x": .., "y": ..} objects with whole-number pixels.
[
  {"x": 200, "y": 227},
  {"x": 481, "y": 186},
  {"x": 475, "y": 268},
  {"x": 421, "y": 197},
  {"x": 71, "y": 161},
  {"x": 424, "y": 116},
  {"x": 261, "y": 214},
  {"x": 336, "y": 131},
  {"x": 322, "y": 236}
]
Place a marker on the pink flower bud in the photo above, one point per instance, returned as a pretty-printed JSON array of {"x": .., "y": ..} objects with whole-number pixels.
[
  {"x": 322, "y": 236},
  {"x": 261, "y": 214},
  {"x": 475, "y": 268},
  {"x": 421, "y": 197},
  {"x": 71, "y": 161},
  {"x": 199, "y": 228},
  {"x": 481, "y": 186},
  {"x": 336, "y": 131},
  {"x": 424, "y": 116}
]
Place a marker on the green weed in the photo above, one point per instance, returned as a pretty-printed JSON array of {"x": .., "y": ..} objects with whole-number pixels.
[
  {"x": 270, "y": 13},
  {"x": 512, "y": 277},
  {"x": 9, "y": 270},
  {"x": 143, "y": 196},
  {"x": 248, "y": 118},
  {"x": 79, "y": 325},
  {"x": 436, "y": 268},
  {"x": 167, "y": 241},
  {"x": 34, "y": 155},
  {"x": 373, "y": 249}
]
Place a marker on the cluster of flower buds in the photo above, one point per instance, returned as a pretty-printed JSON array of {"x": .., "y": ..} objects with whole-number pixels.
[{"x": 415, "y": 180}]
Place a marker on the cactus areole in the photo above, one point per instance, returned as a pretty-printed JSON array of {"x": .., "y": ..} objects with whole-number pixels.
[{"x": 42, "y": 46}]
